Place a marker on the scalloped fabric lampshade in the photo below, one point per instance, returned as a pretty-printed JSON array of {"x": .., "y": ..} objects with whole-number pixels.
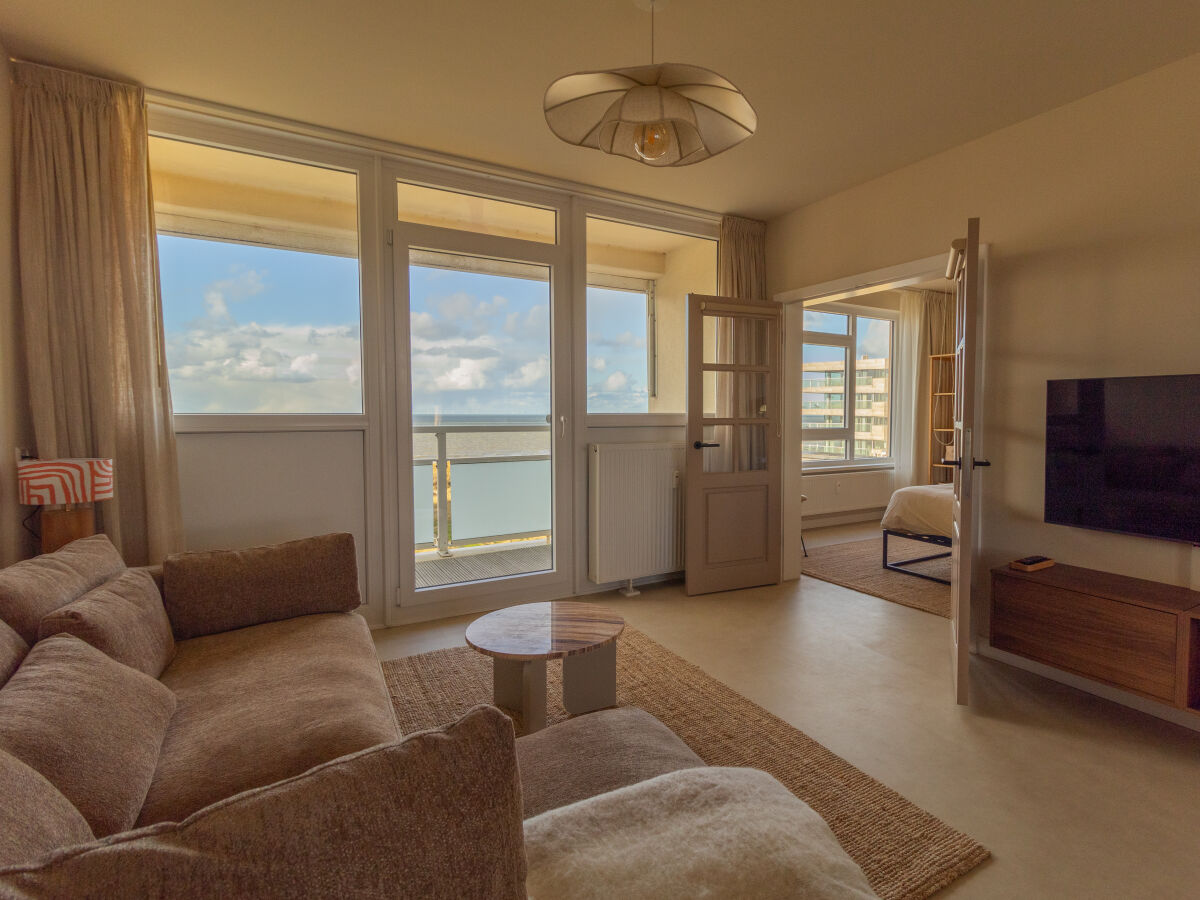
[
  {"x": 668, "y": 114},
  {"x": 55, "y": 482}
]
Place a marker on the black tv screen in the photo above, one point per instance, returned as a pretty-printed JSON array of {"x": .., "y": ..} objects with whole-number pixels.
[{"x": 1123, "y": 454}]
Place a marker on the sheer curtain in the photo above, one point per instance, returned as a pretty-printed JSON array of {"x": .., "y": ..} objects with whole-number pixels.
[
  {"x": 741, "y": 275},
  {"x": 926, "y": 327},
  {"x": 89, "y": 296}
]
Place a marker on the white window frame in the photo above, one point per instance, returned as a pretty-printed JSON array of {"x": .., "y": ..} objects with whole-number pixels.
[{"x": 846, "y": 432}]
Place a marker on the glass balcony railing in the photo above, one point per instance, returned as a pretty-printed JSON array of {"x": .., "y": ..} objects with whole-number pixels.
[{"x": 496, "y": 497}]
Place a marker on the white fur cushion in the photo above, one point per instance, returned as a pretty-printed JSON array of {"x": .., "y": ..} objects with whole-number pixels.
[{"x": 707, "y": 832}]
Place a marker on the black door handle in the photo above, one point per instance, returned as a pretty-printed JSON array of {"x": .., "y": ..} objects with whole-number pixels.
[
  {"x": 701, "y": 444},
  {"x": 957, "y": 463},
  {"x": 979, "y": 463}
]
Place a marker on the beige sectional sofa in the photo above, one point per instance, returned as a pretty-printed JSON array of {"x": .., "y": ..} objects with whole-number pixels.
[{"x": 221, "y": 728}]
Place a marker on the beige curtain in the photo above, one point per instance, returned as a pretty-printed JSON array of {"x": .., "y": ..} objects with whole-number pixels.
[
  {"x": 926, "y": 327},
  {"x": 742, "y": 259},
  {"x": 89, "y": 296}
]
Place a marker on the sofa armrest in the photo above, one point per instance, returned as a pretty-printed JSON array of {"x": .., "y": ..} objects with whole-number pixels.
[
  {"x": 209, "y": 591},
  {"x": 436, "y": 815}
]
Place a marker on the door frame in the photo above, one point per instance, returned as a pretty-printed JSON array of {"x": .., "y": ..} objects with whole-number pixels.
[
  {"x": 888, "y": 278},
  {"x": 405, "y": 603}
]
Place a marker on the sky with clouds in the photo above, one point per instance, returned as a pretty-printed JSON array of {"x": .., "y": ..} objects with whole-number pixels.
[{"x": 261, "y": 330}]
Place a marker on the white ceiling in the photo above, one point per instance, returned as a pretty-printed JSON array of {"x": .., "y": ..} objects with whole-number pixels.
[{"x": 845, "y": 91}]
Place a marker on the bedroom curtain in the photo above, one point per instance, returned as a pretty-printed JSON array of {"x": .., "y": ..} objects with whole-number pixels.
[
  {"x": 89, "y": 296},
  {"x": 926, "y": 327}
]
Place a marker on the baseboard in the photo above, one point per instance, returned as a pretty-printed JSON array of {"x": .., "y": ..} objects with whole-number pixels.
[{"x": 1116, "y": 695}]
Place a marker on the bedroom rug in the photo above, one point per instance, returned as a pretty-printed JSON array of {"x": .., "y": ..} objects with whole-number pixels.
[
  {"x": 905, "y": 852},
  {"x": 859, "y": 565}
]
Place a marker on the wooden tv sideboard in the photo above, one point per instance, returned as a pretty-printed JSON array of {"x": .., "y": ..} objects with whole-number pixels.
[{"x": 1137, "y": 635}]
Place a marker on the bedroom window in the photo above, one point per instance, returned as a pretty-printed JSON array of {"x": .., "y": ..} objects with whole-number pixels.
[{"x": 846, "y": 387}]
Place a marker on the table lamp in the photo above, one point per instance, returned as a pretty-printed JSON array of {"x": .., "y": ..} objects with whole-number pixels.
[{"x": 66, "y": 490}]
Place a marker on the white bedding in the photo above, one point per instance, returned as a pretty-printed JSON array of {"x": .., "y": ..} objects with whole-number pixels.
[{"x": 921, "y": 509}]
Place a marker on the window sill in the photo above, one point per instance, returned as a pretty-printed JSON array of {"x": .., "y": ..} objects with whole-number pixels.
[{"x": 845, "y": 467}]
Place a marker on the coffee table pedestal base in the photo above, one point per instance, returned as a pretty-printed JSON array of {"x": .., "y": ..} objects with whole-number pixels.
[
  {"x": 589, "y": 683},
  {"x": 521, "y": 685},
  {"x": 590, "y": 679}
]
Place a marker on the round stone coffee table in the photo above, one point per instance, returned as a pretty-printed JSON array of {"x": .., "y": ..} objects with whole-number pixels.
[{"x": 521, "y": 638}]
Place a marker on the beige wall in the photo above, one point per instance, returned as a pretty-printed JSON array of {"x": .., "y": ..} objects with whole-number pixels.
[
  {"x": 15, "y": 428},
  {"x": 1092, "y": 212}
]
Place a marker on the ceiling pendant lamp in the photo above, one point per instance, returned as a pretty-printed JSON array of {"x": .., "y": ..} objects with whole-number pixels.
[{"x": 665, "y": 114}]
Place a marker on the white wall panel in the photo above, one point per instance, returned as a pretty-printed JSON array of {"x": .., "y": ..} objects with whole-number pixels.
[{"x": 241, "y": 490}]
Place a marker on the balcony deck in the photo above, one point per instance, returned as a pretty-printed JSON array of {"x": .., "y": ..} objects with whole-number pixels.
[{"x": 436, "y": 571}]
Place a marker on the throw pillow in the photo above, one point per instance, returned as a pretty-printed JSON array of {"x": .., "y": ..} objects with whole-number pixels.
[
  {"x": 220, "y": 590},
  {"x": 35, "y": 817},
  {"x": 34, "y": 587},
  {"x": 435, "y": 815},
  {"x": 712, "y": 832},
  {"x": 91, "y": 725},
  {"x": 123, "y": 618},
  {"x": 12, "y": 650}
]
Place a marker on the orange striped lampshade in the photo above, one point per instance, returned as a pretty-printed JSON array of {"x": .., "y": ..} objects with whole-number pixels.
[{"x": 51, "y": 482}]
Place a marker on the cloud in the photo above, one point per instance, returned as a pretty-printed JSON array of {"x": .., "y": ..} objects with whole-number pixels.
[
  {"x": 534, "y": 372},
  {"x": 468, "y": 375},
  {"x": 599, "y": 363},
  {"x": 615, "y": 382}
]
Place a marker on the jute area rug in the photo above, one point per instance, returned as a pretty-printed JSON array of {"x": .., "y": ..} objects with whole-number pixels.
[
  {"x": 859, "y": 565},
  {"x": 904, "y": 851}
]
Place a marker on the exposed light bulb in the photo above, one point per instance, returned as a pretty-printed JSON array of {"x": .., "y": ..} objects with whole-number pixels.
[{"x": 652, "y": 141}]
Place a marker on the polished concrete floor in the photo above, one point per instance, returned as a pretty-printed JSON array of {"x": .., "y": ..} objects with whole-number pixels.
[{"x": 1075, "y": 796}]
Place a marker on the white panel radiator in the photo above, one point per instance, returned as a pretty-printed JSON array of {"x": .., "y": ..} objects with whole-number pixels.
[{"x": 635, "y": 510}]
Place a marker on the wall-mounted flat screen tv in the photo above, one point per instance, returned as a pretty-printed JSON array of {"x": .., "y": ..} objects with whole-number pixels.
[{"x": 1123, "y": 454}]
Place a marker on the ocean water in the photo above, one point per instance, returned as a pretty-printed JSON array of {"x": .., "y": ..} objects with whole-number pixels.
[{"x": 491, "y": 443}]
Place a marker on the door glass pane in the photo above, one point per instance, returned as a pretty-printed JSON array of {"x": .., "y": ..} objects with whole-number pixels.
[
  {"x": 481, "y": 215},
  {"x": 828, "y": 323},
  {"x": 718, "y": 395},
  {"x": 752, "y": 395},
  {"x": 720, "y": 457},
  {"x": 752, "y": 342},
  {"x": 823, "y": 387},
  {"x": 481, "y": 401},
  {"x": 816, "y": 450},
  {"x": 718, "y": 339},
  {"x": 751, "y": 448},
  {"x": 872, "y": 388}
]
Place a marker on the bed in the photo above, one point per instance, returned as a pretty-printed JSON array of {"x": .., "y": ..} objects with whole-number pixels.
[{"x": 920, "y": 513}]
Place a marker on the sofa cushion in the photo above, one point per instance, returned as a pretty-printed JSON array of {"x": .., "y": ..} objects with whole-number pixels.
[
  {"x": 91, "y": 725},
  {"x": 12, "y": 650},
  {"x": 436, "y": 815},
  {"x": 592, "y": 754},
  {"x": 33, "y": 587},
  {"x": 218, "y": 590},
  {"x": 123, "y": 618},
  {"x": 707, "y": 832},
  {"x": 35, "y": 817},
  {"x": 264, "y": 703}
]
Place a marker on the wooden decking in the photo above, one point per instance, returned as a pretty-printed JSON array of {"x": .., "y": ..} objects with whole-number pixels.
[{"x": 439, "y": 570}]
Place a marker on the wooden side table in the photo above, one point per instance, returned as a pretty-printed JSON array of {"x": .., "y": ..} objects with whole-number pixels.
[{"x": 521, "y": 638}]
